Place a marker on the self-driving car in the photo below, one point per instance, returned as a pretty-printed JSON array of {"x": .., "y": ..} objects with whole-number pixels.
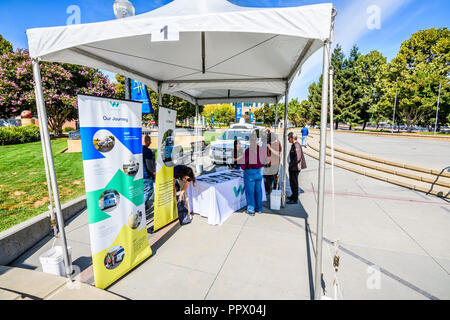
[
  {"x": 133, "y": 168},
  {"x": 222, "y": 150},
  {"x": 120, "y": 254},
  {"x": 109, "y": 200},
  {"x": 106, "y": 143}
]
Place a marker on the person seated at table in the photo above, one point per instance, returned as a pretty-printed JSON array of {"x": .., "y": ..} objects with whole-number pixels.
[
  {"x": 183, "y": 177},
  {"x": 254, "y": 160}
]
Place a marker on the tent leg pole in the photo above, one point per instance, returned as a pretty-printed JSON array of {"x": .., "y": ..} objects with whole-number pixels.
[
  {"x": 285, "y": 142},
  {"x": 159, "y": 95},
  {"x": 197, "y": 139},
  {"x": 47, "y": 176},
  {"x": 320, "y": 200},
  {"x": 42, "y": 114}
]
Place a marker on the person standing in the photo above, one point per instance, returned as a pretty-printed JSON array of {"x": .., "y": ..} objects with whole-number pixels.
[
  {"x": 271, "y": 169},
  {"x": 238, "y": 154},
  {"x": 149, "y": 169},
  {"x": 296, "y": 164},
  {"x": 305, "y": 134},
  {"x": 254, "y": 159}
]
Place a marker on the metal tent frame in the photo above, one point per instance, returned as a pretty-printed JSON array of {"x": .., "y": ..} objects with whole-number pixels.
[{"x": 167, "y": 87}]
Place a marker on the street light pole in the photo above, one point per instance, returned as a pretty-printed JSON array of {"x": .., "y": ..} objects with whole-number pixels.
[
  {"x": 437, "y": 110},
  {"x": 395, "y": 105},
  {"x": 124, "y": 9}
]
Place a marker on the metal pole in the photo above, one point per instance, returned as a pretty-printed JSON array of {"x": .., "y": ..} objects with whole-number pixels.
[
  {"x": 285, "y": 142},
  {"x": 437, "y": 110},
  {"x": 276, "y": 117},
  {"x": 47, "y": 177},
  {"x": 159, "y": 96},
  {"x": 127, "y": 89},
  {"x": 332, "y": 138},
  {"x": 42, "y": 114},
  {"x": 323, "y": 144},
  {"x": 395, "y": 105},
  {"x": 197, "y": 149}
]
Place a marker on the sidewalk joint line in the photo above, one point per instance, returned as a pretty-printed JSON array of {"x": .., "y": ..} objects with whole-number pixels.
[{"x": 226, "y": 258}]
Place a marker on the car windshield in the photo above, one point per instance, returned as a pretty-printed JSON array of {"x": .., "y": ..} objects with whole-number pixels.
[
  {"x": 237, "y": 134},
  {"x": 109, "y": 196}
]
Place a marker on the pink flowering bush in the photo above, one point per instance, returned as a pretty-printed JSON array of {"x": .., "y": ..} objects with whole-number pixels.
[{"x": 61, "y": 85}]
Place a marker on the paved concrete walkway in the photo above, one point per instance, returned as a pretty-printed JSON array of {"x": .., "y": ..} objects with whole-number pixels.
[{"x": 395, "y": 244}]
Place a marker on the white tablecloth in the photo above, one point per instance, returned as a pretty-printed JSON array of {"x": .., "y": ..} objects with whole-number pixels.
[{"x": 218, "y": 201}]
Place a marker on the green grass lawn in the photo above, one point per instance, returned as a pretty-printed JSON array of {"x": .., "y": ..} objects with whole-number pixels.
[{"x": 23, "y": 187}]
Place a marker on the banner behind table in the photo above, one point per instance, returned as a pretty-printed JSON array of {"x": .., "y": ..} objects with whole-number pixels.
[
  {"x": 238, "y": 111},
  {"x": 139, "y": 92},
  {"x": 165, "y": 201},
  {"x": 111, "y": 138}
]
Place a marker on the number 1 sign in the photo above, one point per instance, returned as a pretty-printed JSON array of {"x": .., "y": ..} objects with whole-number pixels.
[{"x": 165, "y": 33}]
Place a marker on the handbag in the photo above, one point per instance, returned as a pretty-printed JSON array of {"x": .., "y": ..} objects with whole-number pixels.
[{"x": 183, "y": 214}]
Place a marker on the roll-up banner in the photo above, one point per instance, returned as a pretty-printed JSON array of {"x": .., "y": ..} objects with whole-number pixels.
[
  {"x": 111, "y": 138},
  {"x": 165, "y": 200},
  {"x": 238, "y": 111}
]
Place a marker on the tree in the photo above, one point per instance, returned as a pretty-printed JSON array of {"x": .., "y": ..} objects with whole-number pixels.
[
  {"x": 61, "y": 84},
  {"x": 355, "y": 112},
  {"x": 5, "y": 46},
  {"x": 367, "y": 69},
  {"x": 315, "y": 101},
  {"x": 415, "y": 73},
  {"x": 223, "y": 113},
  {"x": 298, "y": 113},
  {"x": 342, "y": 98}
]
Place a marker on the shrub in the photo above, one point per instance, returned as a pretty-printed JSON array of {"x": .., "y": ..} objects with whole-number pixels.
[
  {"x": 18, "y": 135},
  {"x": 68, "y": 129}
]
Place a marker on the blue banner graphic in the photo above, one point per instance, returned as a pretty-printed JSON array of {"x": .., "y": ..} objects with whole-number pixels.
[{"x": 140, "y": 93}]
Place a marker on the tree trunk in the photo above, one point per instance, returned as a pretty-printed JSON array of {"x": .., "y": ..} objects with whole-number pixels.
[{"x": 364, "y": 125}]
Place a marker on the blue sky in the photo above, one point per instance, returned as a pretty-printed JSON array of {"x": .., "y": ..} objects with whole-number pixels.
[{"x": 399, "y": 20}]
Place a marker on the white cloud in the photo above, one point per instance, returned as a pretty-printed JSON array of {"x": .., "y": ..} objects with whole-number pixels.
[{"x": 350, "y": 26}]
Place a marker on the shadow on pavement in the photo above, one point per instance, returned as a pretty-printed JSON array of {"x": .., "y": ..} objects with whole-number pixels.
[{"x": 300, "y": 212}]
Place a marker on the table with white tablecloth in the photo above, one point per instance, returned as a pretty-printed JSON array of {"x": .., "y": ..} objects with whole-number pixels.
[{"x": 218, "y": 195}]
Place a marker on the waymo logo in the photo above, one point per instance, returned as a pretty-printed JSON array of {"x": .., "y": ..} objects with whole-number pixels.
[
  {"x": 238, "y": 191},
  {"x": 114, "y": 104}
]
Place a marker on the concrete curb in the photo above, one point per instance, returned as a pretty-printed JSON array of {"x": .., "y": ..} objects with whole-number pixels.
[
  {"x": 24, "y": 284},
  {"x": 354, "y": 168},
  {"x": 392, "y": 163},
  {"x": 18, "y": 239},
  {"x": 393, "y": 135},
  {"x": 445, "y": 184}
]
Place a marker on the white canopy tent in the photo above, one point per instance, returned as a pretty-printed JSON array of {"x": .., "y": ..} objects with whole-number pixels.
[{"x": 221, "y": 53}]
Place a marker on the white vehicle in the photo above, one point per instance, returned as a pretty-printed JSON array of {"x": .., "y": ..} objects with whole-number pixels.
[
  {"x": 222, "y": 150},
  {"x": 119, "y": 255},
  {"x": 106, "y": 143},
  {"x": 133, "y": 167}
]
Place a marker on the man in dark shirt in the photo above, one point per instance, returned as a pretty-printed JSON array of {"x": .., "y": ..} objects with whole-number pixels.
[
  {"x": 149, "y": 169},
  {"x": 296, "y": 164}
]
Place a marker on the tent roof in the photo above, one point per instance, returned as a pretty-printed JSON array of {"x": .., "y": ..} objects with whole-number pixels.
[{"x": 225, "y": 53}]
